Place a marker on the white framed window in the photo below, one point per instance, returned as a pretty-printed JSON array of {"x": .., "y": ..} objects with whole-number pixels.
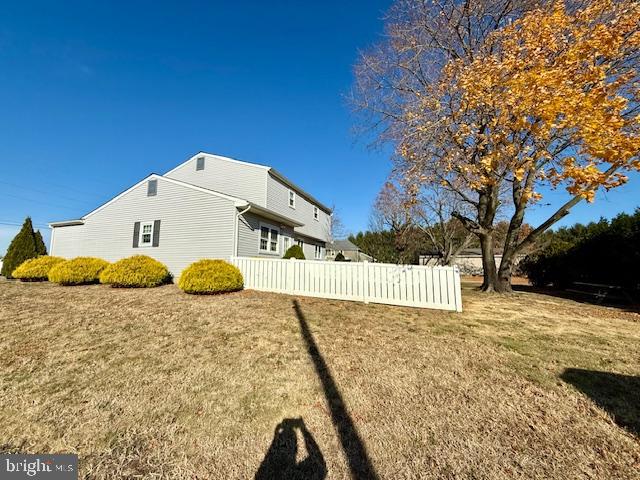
[
  {"x": 300, "y": 243},
  {"x": 292, "y": 199},
  {"x": 269, "y": 239},
  {"x": 316, "y": 214},
  {"x": 286, "y": 243},
  {"x": 317, "y": 254},
  {"x": 146, "y": 234}
]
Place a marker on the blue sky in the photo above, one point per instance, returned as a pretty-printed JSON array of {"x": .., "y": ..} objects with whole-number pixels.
[{"x": 96, "y": 95}]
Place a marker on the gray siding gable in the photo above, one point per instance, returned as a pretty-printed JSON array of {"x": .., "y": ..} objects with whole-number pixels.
[
  {"x": 239, "y": 179},
  {"x": 194, "y": 225}
]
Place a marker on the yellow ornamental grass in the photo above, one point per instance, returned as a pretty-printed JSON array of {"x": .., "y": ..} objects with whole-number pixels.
[
  {"x": 78, "y": 271},
  {"x": 36, "y": 269},
  {"x": 211, "y": 277},
  {"x": 134, "y": 272}
]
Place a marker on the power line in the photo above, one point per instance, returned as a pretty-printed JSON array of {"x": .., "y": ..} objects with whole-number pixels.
[
  {"x": 16, "y": 224},
  {"x": 40, "y": 201},
  {"x": 43, "y": 191}
]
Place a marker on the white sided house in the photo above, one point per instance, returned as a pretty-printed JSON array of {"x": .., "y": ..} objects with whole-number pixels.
[{"x": 208, "y": 207}]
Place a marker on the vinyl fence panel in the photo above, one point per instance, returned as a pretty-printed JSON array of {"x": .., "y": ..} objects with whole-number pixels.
[{"x": 407, "y": 285}]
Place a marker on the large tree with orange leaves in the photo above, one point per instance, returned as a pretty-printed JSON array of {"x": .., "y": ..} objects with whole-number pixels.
[{"x": 498, "y": 101}]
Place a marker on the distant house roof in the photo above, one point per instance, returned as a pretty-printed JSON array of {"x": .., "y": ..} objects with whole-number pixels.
[{"x": 343, "y": 245}]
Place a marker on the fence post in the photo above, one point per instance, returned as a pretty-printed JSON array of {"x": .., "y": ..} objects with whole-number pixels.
[
  {"x": 365, "y": 281},
  {"x": 457, "y": 289},
  {"x": 291, "y": 268}
]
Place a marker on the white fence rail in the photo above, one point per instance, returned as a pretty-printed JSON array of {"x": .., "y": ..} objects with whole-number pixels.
[{"x": 408, "y": 285}]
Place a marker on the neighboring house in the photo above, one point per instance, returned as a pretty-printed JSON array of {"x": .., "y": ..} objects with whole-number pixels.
[
  {"x": 208, "y": 207},
  {"x": 469, "y": 261},
  {"x": 351, "y": 252}
]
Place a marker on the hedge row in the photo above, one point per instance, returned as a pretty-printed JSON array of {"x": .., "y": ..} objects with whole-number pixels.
[{"x": 202, "y": 277}]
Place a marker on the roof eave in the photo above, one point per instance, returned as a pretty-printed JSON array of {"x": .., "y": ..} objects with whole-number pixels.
[
  {"x": 292, "y": 185},
  {"x": 271, "y": 215},
  {"x": 66, "y": 223}
]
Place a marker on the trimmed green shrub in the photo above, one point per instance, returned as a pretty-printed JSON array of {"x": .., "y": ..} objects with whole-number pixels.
[
  {"x": 340, "y": 257},
  {"x": 36, "y": 269},
  {"x": 78, "y": 271},
  {"x": 294, "y": 251},
  {"x": 22, "y": 247},
  {"x": 134, "y": 272},
  {"x": 210, "y": 277}
]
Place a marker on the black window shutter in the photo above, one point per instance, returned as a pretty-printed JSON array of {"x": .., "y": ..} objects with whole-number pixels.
[
  {"x": 156, "y": 233},
  {"x": 136, "y": 234}
]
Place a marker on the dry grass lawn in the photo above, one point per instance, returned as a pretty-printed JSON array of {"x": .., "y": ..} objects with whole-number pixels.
[{"x": 158, "y": 384}]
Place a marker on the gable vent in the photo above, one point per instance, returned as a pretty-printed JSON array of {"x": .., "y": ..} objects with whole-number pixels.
[
  {"x": 152, "y": 188},
  {"x": 200, "y": 163}
]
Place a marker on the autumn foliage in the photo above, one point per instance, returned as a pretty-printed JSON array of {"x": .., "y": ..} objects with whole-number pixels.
[{"x": 500, "y": 101}]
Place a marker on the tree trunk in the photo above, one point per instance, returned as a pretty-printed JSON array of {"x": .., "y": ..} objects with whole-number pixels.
[{"x": 489, "y": 271}]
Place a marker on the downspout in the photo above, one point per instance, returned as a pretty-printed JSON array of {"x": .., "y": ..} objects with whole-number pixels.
[{"x": 237, "y": 228}]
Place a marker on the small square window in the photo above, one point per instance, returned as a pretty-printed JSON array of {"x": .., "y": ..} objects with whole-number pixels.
[
  {"x": 152, "y": 188},
  {"x": 200, "y": 163},
  {"x": 292, "y": 199}
]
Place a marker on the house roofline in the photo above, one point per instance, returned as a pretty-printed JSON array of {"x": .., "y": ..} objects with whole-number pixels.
[
  {"x": 269, "y": 169},
  {"x": 271, "y": 215},
  {"x": 237, "y": 202}
]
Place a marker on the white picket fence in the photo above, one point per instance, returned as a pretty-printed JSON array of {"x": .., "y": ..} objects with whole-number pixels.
[{"x": 407, "y": 285}]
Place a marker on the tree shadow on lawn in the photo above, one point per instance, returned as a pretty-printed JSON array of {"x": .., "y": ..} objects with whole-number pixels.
[
  {"x": 626, "y": 305},
  {"x": 355, "y": 451},
  {"x": 616, "y": 393}
]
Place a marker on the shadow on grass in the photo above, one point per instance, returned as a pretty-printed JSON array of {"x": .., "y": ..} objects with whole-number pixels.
[
  {"x": 622, "y": 304},
  {"x": 617, "y": 394},
  {"x": 352, "y": 445},
  {"x": 280, "y": 460}
]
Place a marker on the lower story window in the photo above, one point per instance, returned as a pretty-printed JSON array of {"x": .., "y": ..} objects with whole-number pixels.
[
  {"x": 269, "y": 239},
  {"x": 318, "y": 252},
  {"x": 300, "y": 243},
  {"x": 146, "y": 233},
  {"x": 286, "y": 243}
]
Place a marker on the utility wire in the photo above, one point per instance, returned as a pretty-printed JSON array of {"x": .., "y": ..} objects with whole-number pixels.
[{"x": 42, "y": 202}]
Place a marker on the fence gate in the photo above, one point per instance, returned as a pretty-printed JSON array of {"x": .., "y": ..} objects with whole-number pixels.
[{"x": 407, "y": 285}]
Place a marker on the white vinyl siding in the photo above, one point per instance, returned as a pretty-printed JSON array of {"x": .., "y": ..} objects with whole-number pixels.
[
  {"x": 244, "y": 181},
  {"x": 195, "y": 225},
  {"x": 278, "y": 201},
  {"x": 249, "y": 235}
]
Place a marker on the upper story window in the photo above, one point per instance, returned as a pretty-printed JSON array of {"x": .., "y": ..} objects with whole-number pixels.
[
  {"x": 146, "y": 234},
  {"x": 269, "y": 239},
  {"x": 292, "y": 199},
  {"x": 152, "y": 188},
  {"x": 200, "y": 163},
  {"x": 316, "y": 214}
]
